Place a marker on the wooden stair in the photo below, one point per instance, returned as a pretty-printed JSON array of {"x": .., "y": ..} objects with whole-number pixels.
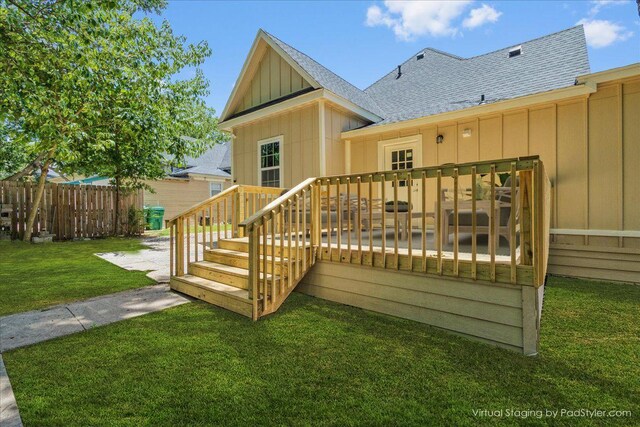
[{"x": 222, "y": 276}]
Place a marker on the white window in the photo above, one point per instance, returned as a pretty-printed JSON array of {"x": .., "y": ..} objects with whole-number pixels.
[
  {"x": 270, "y": 162},
  {"x": 215, "y": 188}
]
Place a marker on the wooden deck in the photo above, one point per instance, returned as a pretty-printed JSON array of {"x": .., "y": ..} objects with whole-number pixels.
[{"x": 277, "y": 238}]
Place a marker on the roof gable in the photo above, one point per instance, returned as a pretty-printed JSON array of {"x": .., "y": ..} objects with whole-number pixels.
[{"x": 267, "y": 75}]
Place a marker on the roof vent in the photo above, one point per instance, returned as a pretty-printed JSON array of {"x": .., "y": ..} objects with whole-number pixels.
[
  {"x": 420, "y": 56},
  {"x": 399, "y": 72},
  {"x": 515, "y": 51}
]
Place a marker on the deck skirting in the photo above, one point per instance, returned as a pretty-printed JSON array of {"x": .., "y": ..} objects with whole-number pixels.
[
  {"x": 593, "y": 262},
  {"x": 504, "y": 315}
]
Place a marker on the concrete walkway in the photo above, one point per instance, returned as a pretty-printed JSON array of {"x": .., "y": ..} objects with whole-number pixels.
[
  {"x": 9, "y": 415},
  {"x": 18, "y": 330},
  {"x": 155, "y": 259}
]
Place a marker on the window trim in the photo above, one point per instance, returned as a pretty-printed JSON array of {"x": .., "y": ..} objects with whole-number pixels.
[{"x": 261, "y": 142}]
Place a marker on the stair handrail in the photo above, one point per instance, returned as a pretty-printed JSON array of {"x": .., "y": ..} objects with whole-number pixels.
[{"x": 267, "y": 210}]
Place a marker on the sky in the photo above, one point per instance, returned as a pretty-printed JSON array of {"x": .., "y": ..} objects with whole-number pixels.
[{"x": 363, "y": 40}]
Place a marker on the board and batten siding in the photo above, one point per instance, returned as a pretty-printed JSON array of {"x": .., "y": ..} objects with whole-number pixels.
[
  {"x": 300, "y": 151},
  {"x": 272, "y": 78},
  {"x": 591, "y": 151},
  {"x": 502, "y": 315}
]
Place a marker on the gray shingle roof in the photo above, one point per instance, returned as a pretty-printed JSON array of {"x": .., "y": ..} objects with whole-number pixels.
[
  {"x": 212, "y": 163},
  {"x": 442, "y": 82},
  {"x": 328, "y": 79}
]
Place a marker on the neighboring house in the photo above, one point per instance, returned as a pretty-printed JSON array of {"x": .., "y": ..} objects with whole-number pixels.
[
  {"x": 201, "y": 178},
  {"x": 291, "y": 118}
]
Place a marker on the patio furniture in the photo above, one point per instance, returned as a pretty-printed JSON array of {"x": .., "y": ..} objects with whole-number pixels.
[{"x": 501, "y": 215}]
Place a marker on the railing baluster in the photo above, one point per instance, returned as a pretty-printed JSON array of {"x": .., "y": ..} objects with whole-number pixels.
[
  {"x": 395, "y": 219},
  {"x": 384, "y": 221},
  {"x": 339, "y": 219},
  {"x": 297, "y": 219},
  {"x": 474, "y": 225},
  {"x": 348, "y": 205},
  {"x": 204, "y": 232},
  {"x": 304, "y": 230},
  {"x": 455, "y": 222},
  {"x": 264, "y": 288},
  {"x": 440, "y": 238},
  {"x": 329, "y": 219},
  {"x": 359, "y": 222},
  {"x": 218, "y": 220},
  {"x": 282, "y": 217},
  {"x": 492, "y": 225},
  {"x": 370, "y": 209},
  {"x": 188, "y": 241},
  {"x": 512, "y": 223},
  {"x": 289, "y": 248},
  {"x": 195, "y": 235},
  {"x": 211, "y": 224},
  {"x": 273, "y": 256},
  {"x": 226, "y": 218},
  {"x": 424, "y": 220},
  {"x": 409, "y": 224}
]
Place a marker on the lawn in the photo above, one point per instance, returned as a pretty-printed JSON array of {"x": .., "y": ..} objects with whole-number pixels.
[
  {"x": 38, "y": 276},
  {"x": 320, "y": 363}
]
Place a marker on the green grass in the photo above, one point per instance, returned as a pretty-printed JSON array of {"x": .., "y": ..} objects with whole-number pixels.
[
  {"x": 38, "y": 276},
  {"x": 320, "y": 363}
]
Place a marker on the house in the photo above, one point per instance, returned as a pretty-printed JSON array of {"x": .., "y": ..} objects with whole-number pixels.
[
  {"x": 442, "y": 193},
  {"x": 532, "y": 98},
  {"x": 201, "y": 178}
]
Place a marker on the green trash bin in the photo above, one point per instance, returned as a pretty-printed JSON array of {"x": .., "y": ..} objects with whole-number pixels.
[{"x": 156, "y": 215}]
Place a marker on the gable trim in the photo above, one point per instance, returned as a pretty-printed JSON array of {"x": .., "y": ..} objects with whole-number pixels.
[
  {"x": 296, "y": 102},
  {"x": 245, "y": 67}
]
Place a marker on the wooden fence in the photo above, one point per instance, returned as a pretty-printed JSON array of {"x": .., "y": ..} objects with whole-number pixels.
[{"x": 67, "y": 211}]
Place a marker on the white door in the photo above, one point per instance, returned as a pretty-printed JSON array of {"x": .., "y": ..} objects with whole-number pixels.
[{"x": 399, "y": 157}]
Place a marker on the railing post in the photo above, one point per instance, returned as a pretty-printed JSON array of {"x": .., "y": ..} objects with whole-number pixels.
[
  {"x": 526, "y": 251},
  {"x": 254, "y": 259}
]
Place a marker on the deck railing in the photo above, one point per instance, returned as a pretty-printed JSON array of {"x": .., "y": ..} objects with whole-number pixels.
[
  {"x": 282, "y": 238},
  {"x": 215, "y": 218},
  {"x": 437, "y": 198}
]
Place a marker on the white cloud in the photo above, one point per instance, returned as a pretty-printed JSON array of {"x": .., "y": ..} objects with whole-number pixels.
[
  {"x": 409, "y": 19},
  {"x": 480, "y": 16},
  {"x": 599, "y": 4},
  {"x": 602, "y": 33}
]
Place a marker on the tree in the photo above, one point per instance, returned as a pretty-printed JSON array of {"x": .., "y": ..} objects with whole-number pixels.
[{"x": 94, "y": 88}]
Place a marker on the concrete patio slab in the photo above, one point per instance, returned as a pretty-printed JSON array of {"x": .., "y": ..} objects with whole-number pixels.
[{"x": 18, "y": 330}]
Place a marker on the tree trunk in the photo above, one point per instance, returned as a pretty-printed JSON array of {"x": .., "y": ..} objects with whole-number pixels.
[{"x": 38, "y": 196}]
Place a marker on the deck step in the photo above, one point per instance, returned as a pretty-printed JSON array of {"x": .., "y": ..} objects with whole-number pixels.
[
  {"x": 220, "y": 294},
  {"x": 241, "y": 244},
  {"x": 227, "y": 274},
  {"x": 241, "y": 259}
]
